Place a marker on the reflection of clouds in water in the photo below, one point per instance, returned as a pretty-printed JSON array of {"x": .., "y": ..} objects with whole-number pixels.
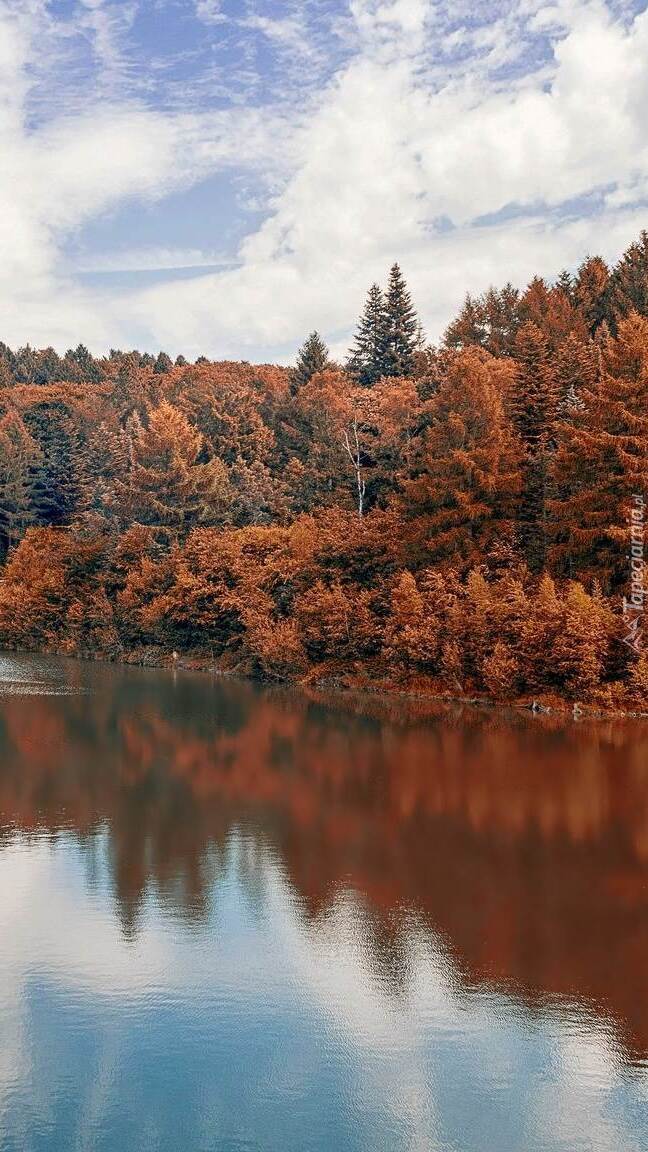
[{"x": 428, "y": 1057}]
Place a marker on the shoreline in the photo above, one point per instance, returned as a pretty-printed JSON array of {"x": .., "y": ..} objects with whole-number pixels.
[{"x": 344, "y": 684}]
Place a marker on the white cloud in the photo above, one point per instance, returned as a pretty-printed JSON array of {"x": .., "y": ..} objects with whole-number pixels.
[
  {"x": 431, "y": 116},
  {"x": 59, "y": 929},
  {"x": 210, "y": 11}
]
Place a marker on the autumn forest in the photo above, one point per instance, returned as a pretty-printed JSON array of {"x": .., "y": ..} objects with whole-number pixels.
[{"x": 459, "y": 519}]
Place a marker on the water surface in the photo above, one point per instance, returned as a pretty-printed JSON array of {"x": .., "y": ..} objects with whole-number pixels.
[{"x": 239, "y": 919}]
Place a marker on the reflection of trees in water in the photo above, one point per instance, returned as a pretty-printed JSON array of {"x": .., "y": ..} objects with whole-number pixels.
[{"x": 523, "y": 842}]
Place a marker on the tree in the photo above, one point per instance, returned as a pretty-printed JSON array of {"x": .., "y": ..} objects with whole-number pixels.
[
  {"x": 466, "y": 491},
  {"x": 601, "y": 462},
  {"x": 313, "y": 356},
  {"x": 367, "y": 356},
  {"x": 627, "y": 290},
  {"x": 19, "y": 457},
  {"x": 580, "y": 647},
  {"x": 400, "y": 338},
  {"x": 590, "y": 292},
  {"x": 534, "y": 398},
  {"x": 577, "y": 366},
  {"x": 60, "y": 484},
  {"x": 412, "y": 631},
  {"x": 490, "y": 321},
  {"x": 501, "y": 671},
  {"x": 163, "y": 364},
  {"x": 335, "y": 622},
  {"x": 168, "y": 483},
  {"x": 533, "y": 405}
]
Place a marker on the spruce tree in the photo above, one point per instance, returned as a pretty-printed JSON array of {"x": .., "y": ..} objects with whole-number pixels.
[
  {"x": 313, "y": 356},
  {"x": 401, "y": 325},
  {"x": 533, "y": 406},
  {"x": 628, "y": 286},
  {"x": 366, "y": 359},
  {"x": 59, "y": 485},
  {"x": 163, "y": 364},
  {"x": 19, "y": 455},
  {"x": 590, "y": 292}
]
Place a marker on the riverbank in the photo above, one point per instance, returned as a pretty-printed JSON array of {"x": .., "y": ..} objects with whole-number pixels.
[{"x": 344, "y": 682}]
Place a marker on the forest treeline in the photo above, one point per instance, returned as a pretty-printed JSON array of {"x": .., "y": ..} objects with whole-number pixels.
[{"x": 462, "y": 518}]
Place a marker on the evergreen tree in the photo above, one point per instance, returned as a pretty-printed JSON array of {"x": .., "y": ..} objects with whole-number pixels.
[
  {"x": 565, "y": 284},
  {"x": 533, "y": 408},
  {"x": 168, "y": 483},
  {"x": 313, "y": 356},
  {"x": 601, "y": 462},
  {"x": 60, "y": 486},
  {"x": 366, "y": 359},
  {"x": 466, "y": 492},
  {"x": 400, "y": 328},
  {"x": 534, "y": 398},
  {"x": 489, "y": 321},
  {"x": 19, "y": 456},
  {"x": 163, "y": 364},
  {"x": 590, "y": 292},
  {"x": 628, "y": 286}
]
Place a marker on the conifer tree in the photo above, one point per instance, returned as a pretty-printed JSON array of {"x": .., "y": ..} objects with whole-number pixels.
[
  {"x": 577, "y": 366},
  {"x": 489, "y": 321},
  {"x": 469, "y": 327},
  {"x": 466, "y": 492},
  {"x": 628, "y": 286},
  {"x": 168, "y": 484},
  {"x": 59, "y": 485},
  {"x": 534, "y": 399},
  {"x": 313, "y": 356},
  {"x": 601, "y": 462},
  {"x": 533, "y": 407},
  {"x": 366, "y": 359},
  {"x": 19, "y": 455},
  {"x": 590, "y": 292},
  {"x": 412, "y": 631},
  {"x": 400, "y": 328},
  {"x": 163, "y": 364}
]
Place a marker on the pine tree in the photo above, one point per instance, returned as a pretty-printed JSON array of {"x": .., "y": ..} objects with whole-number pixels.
[
  {"x": 313, "y": 356},
  {"x": 577, "y": 367},
  {"x": 366, "y": 358},
  {"x": 628, "y": 287},
  {"x": 168, "y": 483},
  {"x": 590, "y": 292},
  {"x": 411, "y": 631},
  {"x": 466, "y": 492},
  {"x": 60, "y": 483},
  {"x": 533, "y": 407},
  {"x": 601, "y": 462},
  {"x": 400, "y": 328},
  {"x": 501, "y": 671},
  {"x": 163, "y": 364},
  {"x": 534, "y": 399},
  {"x": 19, "y": 456},
  {"x": 469, "y": 328},
  {"x": 489, "y": 321}
]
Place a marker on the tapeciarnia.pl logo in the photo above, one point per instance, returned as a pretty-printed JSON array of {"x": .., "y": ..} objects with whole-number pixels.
[{"x": 634, "y": 604}]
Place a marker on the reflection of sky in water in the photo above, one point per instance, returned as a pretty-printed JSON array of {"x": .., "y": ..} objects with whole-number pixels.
[{"x": 255, "y": 1027}]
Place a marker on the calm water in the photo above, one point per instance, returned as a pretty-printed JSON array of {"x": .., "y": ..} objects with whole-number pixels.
[{"x": 242, "y": 919}]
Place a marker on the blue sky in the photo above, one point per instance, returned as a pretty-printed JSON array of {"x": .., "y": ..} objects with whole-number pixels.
[{"x": 222, "y": 176}]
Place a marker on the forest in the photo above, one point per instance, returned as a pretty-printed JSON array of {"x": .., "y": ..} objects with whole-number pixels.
[{"x": 464, "y": 519}]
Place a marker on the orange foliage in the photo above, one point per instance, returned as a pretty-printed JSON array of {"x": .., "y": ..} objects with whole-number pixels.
[{"x": 456, "y": 525}]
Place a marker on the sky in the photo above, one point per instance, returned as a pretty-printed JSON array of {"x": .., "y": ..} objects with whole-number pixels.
[{"x": 221, "y": 177}]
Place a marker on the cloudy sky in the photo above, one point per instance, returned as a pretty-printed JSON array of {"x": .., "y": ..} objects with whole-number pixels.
[{"x": 222, "y": 176}]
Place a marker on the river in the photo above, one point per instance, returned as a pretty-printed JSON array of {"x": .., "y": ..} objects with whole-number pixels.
[{"x": 240, "y": 918}]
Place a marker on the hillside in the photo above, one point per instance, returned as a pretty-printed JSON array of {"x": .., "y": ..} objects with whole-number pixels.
[{"x": 466, "y": 519}]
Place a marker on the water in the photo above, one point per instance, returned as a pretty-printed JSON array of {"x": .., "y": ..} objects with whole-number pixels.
[{"x": 240, "y": 919}]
